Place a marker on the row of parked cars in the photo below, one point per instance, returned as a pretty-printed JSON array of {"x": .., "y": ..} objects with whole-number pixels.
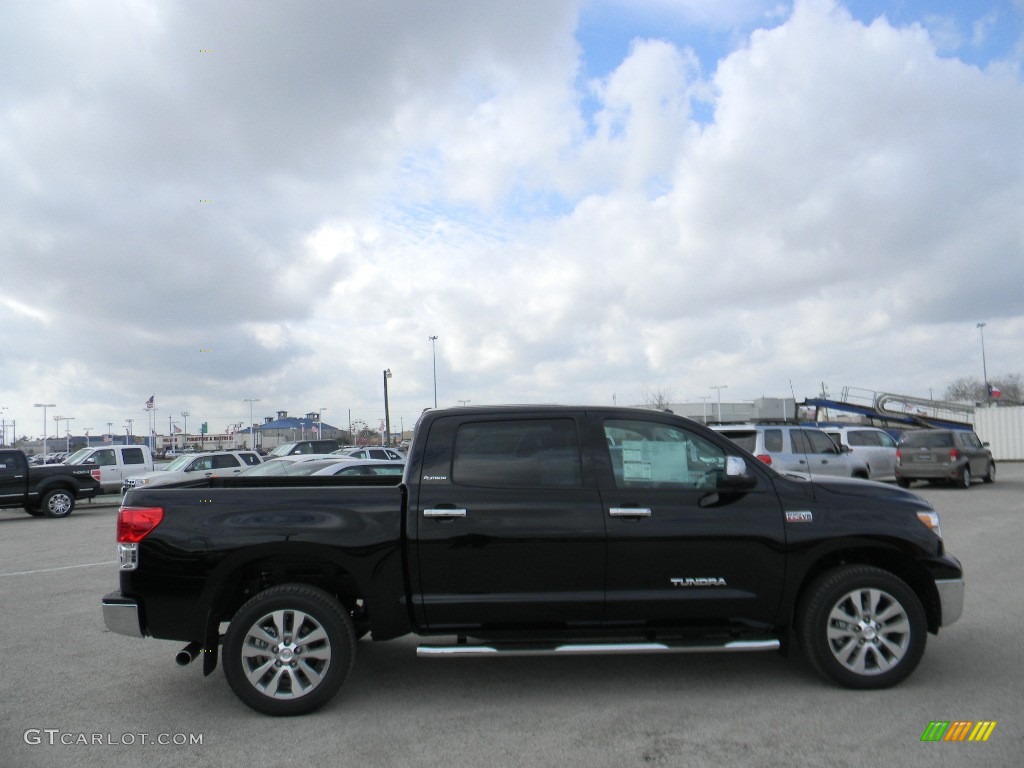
[
  {"x": 934, "y": 455},
  {"x": 288, "y": 459}
]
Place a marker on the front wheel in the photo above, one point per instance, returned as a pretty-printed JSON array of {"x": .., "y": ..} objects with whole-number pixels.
[
  {"x": 990, "y": 475},
  {"x": 862, "y": 627},
  {"x": 288, "y": 650},
  {"x": 58, "y": 503}
]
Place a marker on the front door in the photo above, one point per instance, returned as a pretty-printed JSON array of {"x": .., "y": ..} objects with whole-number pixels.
[
  {"x": 682, "y": 553},
  {"x": 508, "y": 535}
]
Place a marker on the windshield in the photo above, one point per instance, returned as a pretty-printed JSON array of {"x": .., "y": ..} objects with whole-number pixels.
[
  {"x": 179, "y": 463},
  {"x": 283, "y": 450},
  {"x": 77, "y": 456},
  {"x": 271, "y": 467}
]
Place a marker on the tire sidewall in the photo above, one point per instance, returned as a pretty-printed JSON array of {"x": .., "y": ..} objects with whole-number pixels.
[
  {"x": 965, "y": 477},
  {"x": 326, "y": 610},
  {"x": 822, "y": 596}
]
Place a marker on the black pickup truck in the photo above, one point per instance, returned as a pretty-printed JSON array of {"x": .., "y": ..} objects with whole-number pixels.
[
  {"x": 535, "y": 530},
  {"x": 46, "y": 489}
]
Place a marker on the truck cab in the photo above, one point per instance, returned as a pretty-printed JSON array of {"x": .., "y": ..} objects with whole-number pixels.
[{"x": 116, "y": 463}]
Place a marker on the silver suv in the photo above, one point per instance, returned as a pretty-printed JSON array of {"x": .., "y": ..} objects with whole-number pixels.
[
  {"x": 195, "y": 466},
  {"x": 874, "y": 446},
  {"x": 795, "y": 448}
]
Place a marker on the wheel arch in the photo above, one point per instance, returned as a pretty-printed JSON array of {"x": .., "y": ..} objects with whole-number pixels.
[
  {"x": 256, "y": 569},
  {"x": 894, "y": 561}
]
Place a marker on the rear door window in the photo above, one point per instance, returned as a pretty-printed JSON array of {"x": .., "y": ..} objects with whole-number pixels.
[
  {"x": 133, "y": 456},
  {"x": 541, "y": 453}
]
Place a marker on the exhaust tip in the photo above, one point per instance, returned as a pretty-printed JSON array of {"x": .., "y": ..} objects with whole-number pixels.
[{"x": 187, "y": 655}]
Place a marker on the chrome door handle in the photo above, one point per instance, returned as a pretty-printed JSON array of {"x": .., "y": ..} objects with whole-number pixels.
[
  {"x": 629, "y": 512},
  {"x": 444, "y": 513}
]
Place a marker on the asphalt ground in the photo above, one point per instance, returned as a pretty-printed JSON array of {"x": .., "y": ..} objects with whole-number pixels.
[{"x": 77, "y": 695}]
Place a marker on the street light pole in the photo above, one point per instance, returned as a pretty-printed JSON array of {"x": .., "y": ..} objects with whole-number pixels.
[
  {"x": 252, "y": 425},
  {"x": 984, "y": 365},
  {"x": 320, "y": 424},
  {"x": 44, "y": 406},
  {"x": 387, "y": 413},
  {"x": 720, "y": 387},
  {"x": 433, "y": 349},
  {"x": 184, "y": 416}
]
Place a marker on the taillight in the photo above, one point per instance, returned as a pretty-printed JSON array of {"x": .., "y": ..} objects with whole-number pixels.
[
  {"x": 765, "y": 458},
  {"x": 899, "y": 455},
  {"x": 954, "y": 454},
  {"x": 136, "y": 523},
  {"x": 97, "y": 475}
]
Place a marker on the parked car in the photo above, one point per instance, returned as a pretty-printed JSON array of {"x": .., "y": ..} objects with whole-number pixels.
[
  {"x": 372, "y": 452},
  {"x": 874, "y": 446},
  {"x": 194, "y": 466},
  {"x": 795, "y": 448},
  {"x": 363, "y": 468},
  {"x": 116, "y": 463},
  {"x": 285, "y": 465},
  {"x": 943, "y": 455},
  {"x": 305, "y": 446}
]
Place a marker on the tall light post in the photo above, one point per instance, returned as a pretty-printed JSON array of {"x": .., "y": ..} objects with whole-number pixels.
[
  {"x": 44, "y": 406},
  {"x": 87, "y": 430},
  {"x": 59, "y": 419},
  {"x": 387, "y": 413},
  {"x": 184, "y": 416},
  {"x": 252, "y": 424},
  {"x": 433, "y": 349},
  {"x": 719, "y": 387},
  {"x": 128, "y": 431},
  {"x": 320, "y": 424},
  {"x": 984, "y": 365}
]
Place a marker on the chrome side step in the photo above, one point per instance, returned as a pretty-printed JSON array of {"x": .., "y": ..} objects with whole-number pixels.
[{"x": 585, "y": 649}]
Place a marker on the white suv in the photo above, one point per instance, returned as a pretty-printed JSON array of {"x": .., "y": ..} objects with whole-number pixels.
[
  {"x": 875, "y": 447},
  {"x": 194, "y": 467},
  {"x": 795, "y": 448}
]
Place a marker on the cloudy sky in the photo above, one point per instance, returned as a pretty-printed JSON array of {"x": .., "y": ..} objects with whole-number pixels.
[{"x": 584, "y": 200}]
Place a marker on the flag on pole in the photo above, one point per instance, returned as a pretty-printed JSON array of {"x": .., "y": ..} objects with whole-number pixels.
[
  {"x": 149, "y": 403},
  {"x": 994, "y": 391}
]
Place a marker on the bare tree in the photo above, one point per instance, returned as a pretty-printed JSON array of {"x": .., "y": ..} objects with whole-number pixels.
[
  {"x": 659, "y": 399},
  {"x": 970, "y": 389}
]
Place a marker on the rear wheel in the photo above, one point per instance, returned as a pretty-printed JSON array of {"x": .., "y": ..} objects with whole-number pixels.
[
  {"x": 964, "y": 481},
  {"x": 990, "y": 475},
  {"x": 902, "y": 482},
  {"x": 862, "y": 627},
  {"x": 288, "y": 650},
  {"x": 58, "y": 503}
]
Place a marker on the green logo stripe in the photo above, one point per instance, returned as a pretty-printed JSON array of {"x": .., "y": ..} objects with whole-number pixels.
[{"x": 935, "y": 731}]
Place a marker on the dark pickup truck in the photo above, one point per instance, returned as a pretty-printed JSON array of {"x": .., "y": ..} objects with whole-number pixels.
[
  {"x": 535, "y": 530},
  {"x": 46, "y": 489}
]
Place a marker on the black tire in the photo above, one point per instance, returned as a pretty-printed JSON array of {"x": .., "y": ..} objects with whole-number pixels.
[
  {"x": 964, "y": 481},
  {"x": 34, "y": 511},
  {"x": 863, "y": 652},
  {"x": 58, "y": 503},
  {"x": 990, "y": 474},
  {"x": 902, "y": 482},
  {"x": 277, "y": 679}
]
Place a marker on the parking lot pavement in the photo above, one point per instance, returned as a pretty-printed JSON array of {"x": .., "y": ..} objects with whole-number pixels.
[{"x": 77, "y": 695}]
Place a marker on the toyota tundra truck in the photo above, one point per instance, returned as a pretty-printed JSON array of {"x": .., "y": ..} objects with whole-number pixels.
[{"x": 534, "y": 530}]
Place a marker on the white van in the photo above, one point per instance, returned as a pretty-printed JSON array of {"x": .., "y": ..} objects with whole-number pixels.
[{"x": 115, "y": 463}]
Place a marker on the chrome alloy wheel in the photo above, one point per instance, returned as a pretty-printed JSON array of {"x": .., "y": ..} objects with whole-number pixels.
[
  {"x": 868, "y": 631},
  {"x": 286, "y": 654}
]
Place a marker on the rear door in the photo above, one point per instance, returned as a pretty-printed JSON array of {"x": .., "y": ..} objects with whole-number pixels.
[
  {"x": 13, "y": 476},
  {"x": 680, "y": 553},
  {"x": 508, "y": 531},
  {"x": 815, "y": 452},
  {"x": 226, "y": 465}
]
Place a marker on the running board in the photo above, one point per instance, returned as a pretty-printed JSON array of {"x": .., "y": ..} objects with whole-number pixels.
[{"x": 585, "y": 649}]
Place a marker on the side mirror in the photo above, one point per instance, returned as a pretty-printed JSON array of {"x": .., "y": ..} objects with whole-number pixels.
[{"x": 737, "y": 476}]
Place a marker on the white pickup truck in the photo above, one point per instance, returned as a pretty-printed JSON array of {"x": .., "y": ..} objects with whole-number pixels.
[{"x": 116, "y": 463}]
